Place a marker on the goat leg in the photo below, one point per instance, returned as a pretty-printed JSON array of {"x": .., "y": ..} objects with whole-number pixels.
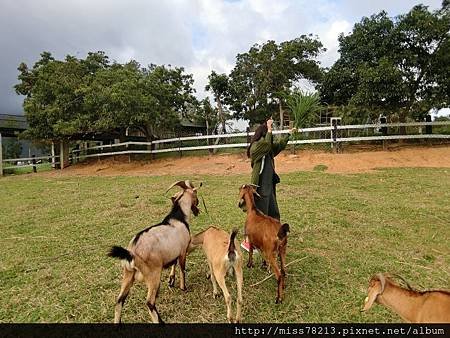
[
  {"x": 172, "y": 276},
  {"x": 239, "y": 282},
  {"x": 182, "y": 260},
  {"x": 280, "y": 280},
  {"x": 127, "y": 283},
  {"x": 213, "y": 280},
  {"x": 250, "y": 257},
  {"x": 282, "y": 256},
  {"x": 220, "y": 277}
]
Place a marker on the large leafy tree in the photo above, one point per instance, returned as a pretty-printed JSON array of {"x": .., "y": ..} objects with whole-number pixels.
[
  {"x": 54, "y": 94},
  {"x": 65, "y": 99},
  {"x": 150, "y": 99},
  {"x": 399, "y": 66},
  {"x": 262, "y": 76}
]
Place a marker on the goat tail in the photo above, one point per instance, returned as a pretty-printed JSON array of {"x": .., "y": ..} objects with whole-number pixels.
[
  {"x": 284, "y": 229},
  {"x": 121, "y": 253},
  {"x": 231, "y": 246}
]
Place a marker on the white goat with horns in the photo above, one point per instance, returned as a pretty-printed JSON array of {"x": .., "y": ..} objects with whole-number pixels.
[{"x": 157, "y": 247}]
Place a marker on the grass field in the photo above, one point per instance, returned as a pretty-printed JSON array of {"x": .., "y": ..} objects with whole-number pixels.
[{"x": 55, "y": 233}]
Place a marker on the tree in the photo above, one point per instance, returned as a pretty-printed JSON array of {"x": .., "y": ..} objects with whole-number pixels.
[
  {"x": 65, "y": 99},
  {"x": 263, "y": 76},
  {"x": 219, "y": 85},
  {"x": 12, "y": 148},
  {"x": 205, "y": 113},
  {"x": 54, "y": 94},
  {"x": 397, "y": 66}
]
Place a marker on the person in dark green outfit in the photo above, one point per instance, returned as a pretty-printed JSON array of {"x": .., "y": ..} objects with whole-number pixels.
[{"x": 262, "y": 151}]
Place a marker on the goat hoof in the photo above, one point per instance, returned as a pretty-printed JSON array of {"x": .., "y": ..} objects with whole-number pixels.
[
  {"x": 216, "y": 295},
  {"x": 183, "y": 289},
  {"x": 171, "y": 282},
  {"x": 249, "y": 265},
  {"x": 278, "y": 301},
  {"x": 208, "y": 276}
]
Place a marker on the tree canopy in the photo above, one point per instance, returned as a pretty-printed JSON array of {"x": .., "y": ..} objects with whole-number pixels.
[
  {"x": 65, "y": 99},
  {"x": 263, "y": 75},
  {"x": 393, "y": 65}
]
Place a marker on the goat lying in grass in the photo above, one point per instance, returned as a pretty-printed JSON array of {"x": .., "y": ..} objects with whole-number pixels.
[
  {"x": 223, "y": 256},
  {"x": 432, "y": 306},
  {"x": 266, "y": 234},
  {"x": 157, "y": 247}
]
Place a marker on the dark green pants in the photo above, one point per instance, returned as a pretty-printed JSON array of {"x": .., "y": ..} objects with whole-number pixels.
[{"x": 267, "y": 203}]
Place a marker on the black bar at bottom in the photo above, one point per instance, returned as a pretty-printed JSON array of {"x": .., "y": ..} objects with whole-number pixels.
[{"x": 224, "y": 330}]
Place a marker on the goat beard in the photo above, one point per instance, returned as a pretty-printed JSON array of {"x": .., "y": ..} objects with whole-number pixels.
[
  {"x": 242, "y": 205},
  {"x": 195, "y": 210}
]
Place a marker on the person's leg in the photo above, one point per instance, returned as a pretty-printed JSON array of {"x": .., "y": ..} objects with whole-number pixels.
[
  {"x": 272, "y": 208},
  {"x": 262, "y": 203}
]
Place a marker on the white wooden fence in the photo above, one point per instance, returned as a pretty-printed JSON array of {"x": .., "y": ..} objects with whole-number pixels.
[{"x": 334, "y": 138}]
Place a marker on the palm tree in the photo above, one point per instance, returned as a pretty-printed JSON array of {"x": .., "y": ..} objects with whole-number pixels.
[{"x": 303, "y": 106}]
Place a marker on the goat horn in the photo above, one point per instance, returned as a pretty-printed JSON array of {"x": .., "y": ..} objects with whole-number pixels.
[
  {"x": 196, "y": 188},
  {"x": 181, "y": 184},
  {"x": 404, "y": 280},
  {"x": 254, "y": 185}
]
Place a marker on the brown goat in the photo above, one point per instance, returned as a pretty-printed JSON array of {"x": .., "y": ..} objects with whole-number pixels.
[
  {"x": 432, "y": 306},
  {"x": 266, "y": 234},
  {"x": 223, "y": 256},
  {"x": 156, "y": 248}
]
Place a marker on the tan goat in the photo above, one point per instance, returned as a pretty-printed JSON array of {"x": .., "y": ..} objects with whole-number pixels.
[
  {"x": 432, "y": 306},
  {"x": 223, "y": 255},
  {"x": 266, "y": 234}
]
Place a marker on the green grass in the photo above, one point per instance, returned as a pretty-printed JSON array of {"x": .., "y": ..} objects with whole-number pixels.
[
  {"x": 56, "y": 232},
  {"x": 27, "y": 170}
]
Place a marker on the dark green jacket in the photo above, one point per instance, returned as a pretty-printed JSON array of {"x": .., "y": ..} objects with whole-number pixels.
[{"x": 263, "y": 147}]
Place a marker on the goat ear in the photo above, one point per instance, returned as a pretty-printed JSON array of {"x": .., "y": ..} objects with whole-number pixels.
[{"x": 372, "y": 294}]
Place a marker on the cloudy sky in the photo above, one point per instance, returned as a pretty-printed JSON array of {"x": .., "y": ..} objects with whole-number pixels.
[{"x": 200, "y": 35}]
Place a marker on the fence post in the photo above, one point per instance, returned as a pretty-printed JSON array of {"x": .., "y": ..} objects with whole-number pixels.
[
  {"x": 428, "y": 128},
  {"x": 383, "y": 120},
  {"x": 335, "y": 121},
  {"x": 1, "y": 156},
  {"x": 33, "y": 161},
  {"x": 53, "y": 155},
  {"x": 63, "y": 154}
]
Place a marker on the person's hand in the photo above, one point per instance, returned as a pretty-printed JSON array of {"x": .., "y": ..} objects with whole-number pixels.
[{"x": 269, "y": 125}]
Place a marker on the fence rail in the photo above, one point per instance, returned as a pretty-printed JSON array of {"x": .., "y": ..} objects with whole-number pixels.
[
  {"x": 333, "y": 135},
  {"x": 333, "y": 139}
]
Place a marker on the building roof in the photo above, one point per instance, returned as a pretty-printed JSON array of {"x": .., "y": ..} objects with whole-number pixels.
[
  {"x": 187, "y": 123},
  {"x": 12, "y": 124}
]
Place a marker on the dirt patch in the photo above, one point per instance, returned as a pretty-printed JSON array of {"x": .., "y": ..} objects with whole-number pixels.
[{"x": 303, "y": 160}]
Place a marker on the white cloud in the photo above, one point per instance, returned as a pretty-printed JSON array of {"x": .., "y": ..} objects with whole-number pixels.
[{"x": 201, "y": 35}]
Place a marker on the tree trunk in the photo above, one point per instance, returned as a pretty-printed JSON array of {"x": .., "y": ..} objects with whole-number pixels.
[
  {"x": 221, "y": 115},
  {"x": 402, "y": 119},
  {"x": 221, "y": 120},
  {"x": 281, "y": 115}
]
